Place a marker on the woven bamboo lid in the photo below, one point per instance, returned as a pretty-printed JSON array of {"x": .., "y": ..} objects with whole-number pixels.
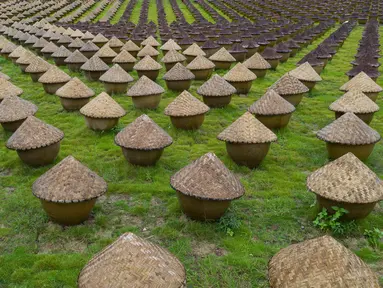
[
  {"x": 124, "y": 57},
  {"x": 38, "y": 65},
  {"x": 62, "y": 52},
  {"x": 257, "y": 62},
  {"x": 144, "y": 87},
  {"x": 8, "y": 89},
  {"x": 348, "y": 129},
  {"x": 54, "y": 75},
  {"x": 289, "y": 85},
  {"x": 173, "y": 56},
  {"x": 184, "y": 105},
  {"x": 76, "y": 44},
  {"x": 50, "y": 48},
  {"x": 87, "y": 36},
  {"x": 26, "y": 58},
  {"x": 178, "y": 73},
  {"x": 64, "y": 39},
  {"x": 106, "y": 51},
  {"x": 8, "y": 48},
  {"x": 170, "y": 45},
  {"x": 200, "y": 63},
  {"x": 136, "y": 261},
  {"x": 75, "y": 89},
  {"x": 116, "y": 75},
  {"x": 216, "y": 86},
  {"x": 15, "y": 108},
  {"x": 207, "y": 178},
  {"x": 4, "y": 76},
  {"x": 346, "y": 179},
  {"x": 147, "y": 64},
  {"x": 363, "y": 83},
  {"x": 114, "y": 42},
  {"x": 94, "y": 64},
  {"x": 77, "y": 34},
  {"x": 305, "y": 72},
  {"x": 143, "y": 134},
  {"x": 150, "y": 41},
  {"x": 130, "y": 46},
  {"x": 148, "y": 50},
  {"x": 99, "y": 38},
  {"x": 222, "y": 55},
  {"x": 31, "y": 40},
  {"x": 194, "y": 50},
  {"x": 33, "y": 134},
  {"x": 239, "y": 73},
  {"x": 271, "y": 103},
  {"x": 20, "y": 50},
  {"x": 356, "y": 102},
  {"x": 319, "y": 263},
  {"x": 103, "y": 106},
  {"x": 76, "y": 57},
  {"x": 247, "y": 129},
  {"x": 89, "y": 47},
  {"x": 69, "y": 181},
  {"x": 40, "y": 43},
  {"x": 271, "y": 53}
]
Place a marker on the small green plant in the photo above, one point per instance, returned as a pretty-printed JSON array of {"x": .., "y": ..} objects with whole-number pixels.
[
  {"x": 373, "y": 236},
  {"x": 332, "y": 222},
  {"x": 229, "y": 223}
]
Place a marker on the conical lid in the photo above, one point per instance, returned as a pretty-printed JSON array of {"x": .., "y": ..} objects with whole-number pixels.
[
  {"x": 106, "y": 51},
  {"x": 148, "y": 50},
  {"x": 20, "y": 50},
  {"x": 15, "y": 108},
  {"x": 194, "y": 50},
  {"x": 69, "y": 181},
  {"x": 130, "y": 46},
  {"x": 64, "y": 39},
  {"x": 26, "y": 59},
  {"x": 76, "y": 57},
  {"x": 8, "y": 48},
  {"x": 40, "y": 43},
  {"x": 144, "y": 87},
  {"x": 363, "y": 83},
  {"x": 257, "y": 62},
  {"x": 54, "y": 75},
  {"x": 77, "y": 34},
  {"x": 31, "y": 40},
  {"x": 136, "y": 261},
  {"x": 124, "y": 57},
  {"x": 103, "y": 106},
  {"x": 247, "y": 129},
  {"x": 346, "y": 179},
  {"x": 200, "y": 63},
  {"x": 50, "y": 48},
  {"x": 116, "y": 75},
  {"x": 216, "y": 86},
  {"x": 349, "y": 130},
  {"x": 271, "y": 54},
  {"x": 318, "y": 263},
  {"x": 239, "y": 73},
  {"x": 356, "y": 102},
  {"x": 75, "y": 89},
  {"x": 170, "y": 45},
  {"x": 186, "y": 105},
  {"x": 207, "y": 178},
  {"x": 305, "y": 72},
  {"x": 173, "y": 56},
  {"x": 289, "y": 85},
  {"x": 38, "y": 65},
  {"x": 99, "y": 38},
  {"x": 87, "y": 36},
  {"x": 150, "y": 41},
  {"x": 33, "y": 134},
  {"x": 76, "y": 43},
  {"x": 62, "y": 52},
  {"x": 178, "y": 73},
  {"x": 89, "y": 47},
  {"x": 4, "y": 76},
  {"x": 114, "y": 42},
  {"x": 147, "y": 64},
  {"x": 143, "y": 134},
  {"x": 222, "y": 55},
  {"x": 271, "y": 104},
  {"x": 95, "y": 64},
  {"x": 8, "y": 89}
]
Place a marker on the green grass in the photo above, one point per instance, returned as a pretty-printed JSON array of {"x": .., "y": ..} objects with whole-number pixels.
[
  {"x": 152, "y": 13},
  {"x": 187, "y": 14},
  {"x": 203, "y": 12},
  {"x": 135, "y": 17},
  {"x": 170, "y": 16},
  {"x": 103, "y": 12},
  {"x": 119, "y": 12},
  {"x": 274, "y": 213},
  {"x": 91, "y": 8}
]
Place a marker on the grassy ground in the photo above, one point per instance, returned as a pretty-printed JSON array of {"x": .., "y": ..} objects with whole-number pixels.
[
  {"x": 274, "y": 212},
  {"x": 120, "y": 12},
  {"x": 187, "y": 14}
]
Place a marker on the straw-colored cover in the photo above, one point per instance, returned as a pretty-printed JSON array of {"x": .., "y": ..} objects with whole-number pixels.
[
  {"x": 77, "y": 43},
  {"x": 173, "y": 56},
  {"x": 184, "y": 105},
  {"x": 106, "y": 51},
  {"x": 143, "y": 134},
  {"x": 271, "y": 104},
  {"x": 26, "y": 58},
  {"x": 38, "y": 65},
  {"x": 62, "y": 52},
  {"x": 75, "y": 89},
  {"x": 64, "y": 39},
  {"x": 247, "y": 129},
  {"x": 33, "y": 134},
  {"x": 8, "y": 48},
  {"x": 130, "y": 46},
  {"x": 148, "y": 50},
  {"x": 147, "y": 64},
  {"x": 222, "y": 55},
  {"x": 348, "y": 129},
  {"x": 14, "y": 109},
  {"x": 322, "y": 262},
  {"x": 124, "y": 57},
  {"x": 103, "y": 106},
  {"x": 88, "y": 36},
  {"x": 54, "y": 75},
  {"x": 178, "y": 73},
  {"x": 289, "y": 85},
  {"x": 239, "y": 73},
  {"x": 20, "y": 50},
  {"x": 170, "y": 45},
  {"x": 89, "y": 47},
  {"x": 116, "y": 75},
  {"x": 114, "y": 42},
  {"x": 40, "y": 43},
  {"x": 200, "y": 63},
  {"x": 194, "y": 50},
  {"x": 77, "y": 34},
  {"x": 132, "y": 261},
  {"x": 8, "y": 89},
  {"x": 50, "y": 48},
  {"x": 150, "y": 41},
  {"x": 99, "y": 38},
  {"x": 95, "y": 64},
  {"x": 305, "y": 72},
  {"x": 207, "y": 178},
  {"x": 346, "y": 179},
  {"x": 257, "y": 62},
  {"x": 363, "y": 83},
  {"x": 356, "y": 102},
  {"x": 216, "y": 86},
  {"x": 69, "y": 181},
  {"x": 144, "y": 87},
  {"x": 76, "y": 57}
]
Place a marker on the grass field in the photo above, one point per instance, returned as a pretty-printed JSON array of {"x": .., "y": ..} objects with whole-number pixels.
[{"x": 275, "y": 212}]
